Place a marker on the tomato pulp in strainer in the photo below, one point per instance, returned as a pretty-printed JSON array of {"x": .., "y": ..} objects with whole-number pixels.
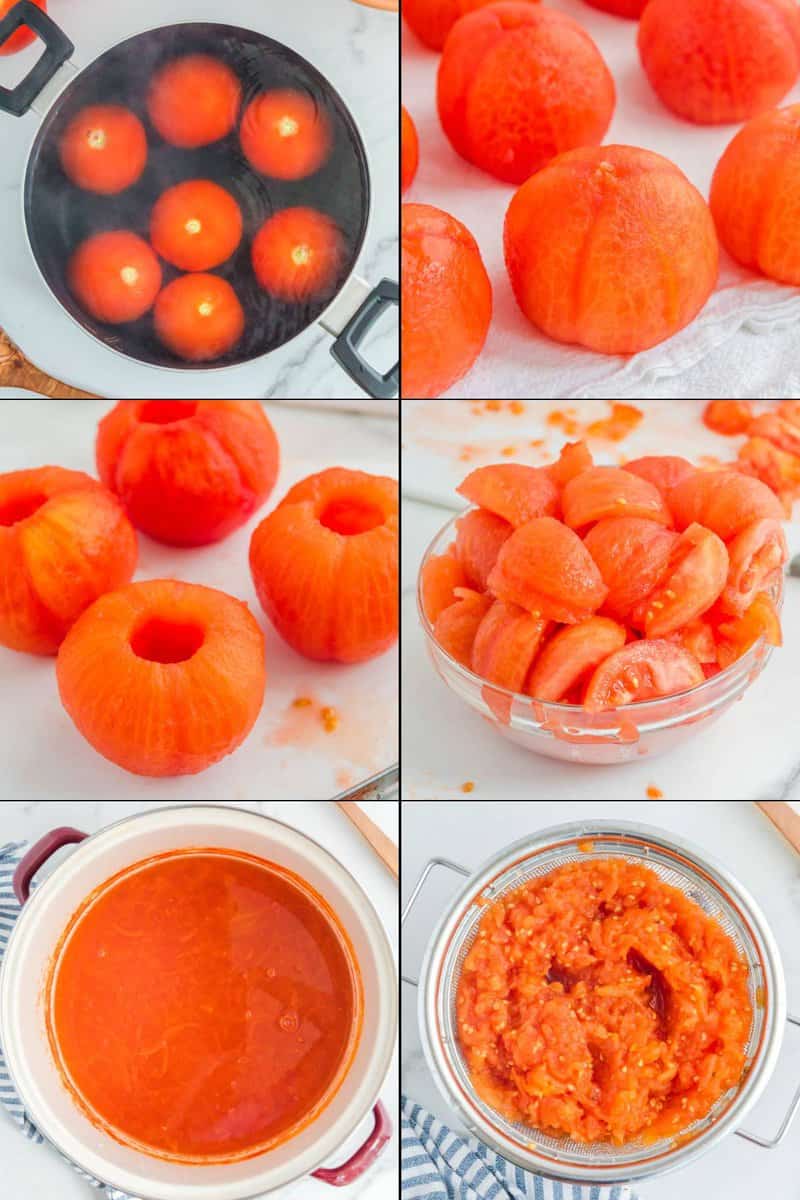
[
  {"x": 601, "y": 1004},
  {"x": 204, "y": 1005}
]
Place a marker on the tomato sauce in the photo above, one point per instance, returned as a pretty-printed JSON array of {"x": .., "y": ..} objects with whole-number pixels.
[
  {"x": 601, "y": 1004},
  {"x": 204, "y": 1005}
]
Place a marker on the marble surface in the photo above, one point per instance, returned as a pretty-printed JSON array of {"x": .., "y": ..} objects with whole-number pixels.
[
  {"x": 287, "y": 754},
  {"x": 735, "y": 833},
  {"x": 715, "y": 356},
  {"x": 356, "y": 49},
  {"x": 751, "y": 752},
  {"x": 32, "y": 1170}
]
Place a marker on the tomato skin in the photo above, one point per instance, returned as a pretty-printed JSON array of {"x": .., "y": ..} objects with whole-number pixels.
[
  {"x": 693, "y": 581},
  {"x": 644, "y": 670},
  {"x": 755, "y": 554},
  {"x": 570, "y": 654},
  {"x": 21, "y": 37}
]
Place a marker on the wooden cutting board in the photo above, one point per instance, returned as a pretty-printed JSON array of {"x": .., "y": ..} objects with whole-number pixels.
[
  {"x": 784, "y": 818},
  {"x": 17, "y": 371}
]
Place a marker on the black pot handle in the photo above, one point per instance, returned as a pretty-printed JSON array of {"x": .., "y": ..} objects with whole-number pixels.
[
  {"x": 58, "y": 48},
  {"x": 346, "y": 347}
]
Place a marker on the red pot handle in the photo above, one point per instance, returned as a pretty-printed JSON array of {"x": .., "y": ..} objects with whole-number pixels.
[
  {"x": 364, "y": 1157},
  {"x": 38, "y": 855}
]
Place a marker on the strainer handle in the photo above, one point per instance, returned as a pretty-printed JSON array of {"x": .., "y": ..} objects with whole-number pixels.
[
  {"x": 418, "y": 886},
  {"x": 794, "y": 1108}
]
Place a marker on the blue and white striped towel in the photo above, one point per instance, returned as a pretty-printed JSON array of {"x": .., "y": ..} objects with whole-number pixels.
[
  {"x": 10, "y": 855},
  {"x": 438, "y": 1164}
]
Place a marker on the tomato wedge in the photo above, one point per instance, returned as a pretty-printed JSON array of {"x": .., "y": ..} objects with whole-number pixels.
[
  {"x": 574, "y": 459},
  {"x": 723, "y": 501},
  {"x": 479, "y": 536},
  {"x": 632, "y": 554},
  {"x": 740, "y": 635},
  {"x": 662, "y": 470},
  {"x": 512, "y": 491},
  {"x": 698, "y": 638},
  {"x": 777, "y": 469},
  {"x": 545, "y": 568},
  {"x": 780, "y": 430},
  {"x": 457, "y": 624},
  {"x": 755, "y": 554},
  {"x": 441, "y": 575},
  {"x": 642, "y": 670},
  {"x": 570, "y": 654},
  {"x": 611, "y": 492},
  {"x": 506, "y": 644},
  {"x": 694, "y": 579}
]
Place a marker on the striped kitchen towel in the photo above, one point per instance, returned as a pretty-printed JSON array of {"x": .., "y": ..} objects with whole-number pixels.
[
  {"x": 10, "y": 855},
  {"x": 438, "y": 1164}
]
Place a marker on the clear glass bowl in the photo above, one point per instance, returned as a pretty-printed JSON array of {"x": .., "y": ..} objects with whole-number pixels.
[{"x": 567, "y": 731}]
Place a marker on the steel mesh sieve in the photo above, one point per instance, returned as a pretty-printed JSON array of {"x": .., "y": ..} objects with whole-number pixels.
[{"x": 710, "y": 888}]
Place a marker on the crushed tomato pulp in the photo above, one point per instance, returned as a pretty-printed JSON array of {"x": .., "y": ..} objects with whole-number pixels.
[{"x": 601, "y": 1004}]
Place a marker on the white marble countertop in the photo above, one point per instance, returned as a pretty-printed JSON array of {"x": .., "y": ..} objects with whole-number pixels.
[
  {"x": 36, "y": 1170},
  {"x": 356, "y": 49},
  {"x": 735, "y": 833},
  {"x": 751, "y": 752},
  {"x": 43, "y": 756}
]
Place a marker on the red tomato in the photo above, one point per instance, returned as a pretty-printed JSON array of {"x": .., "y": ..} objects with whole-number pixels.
[
  {"x": 740, "y": 635},
  {"x": 21, "y": 37},
  {"x": 642, "y": 670},
  {"x": 103, "y": 148},
  {"x": 570, "y": 654},
  {"x": 194, "y": 100},
  {"x": 409, "y": 150},
  {"x": 694, "y": 579},
  {"x": 285, "y": 134},
  {"x": 114, "y": 276},
  {"x": 195, "y": 225},
  {"x": 199, "y": 317},
  {"x": 298, "y": 255},
  {"x": 755, "y": 554}
]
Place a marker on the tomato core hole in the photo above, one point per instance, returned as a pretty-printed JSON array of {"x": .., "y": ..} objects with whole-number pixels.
[
  {"x": 164, "y": 412},
  {"x": 19, "y": 507},
  {"x": 349, "y": 515},
  {"x": 162, "y": 641}
]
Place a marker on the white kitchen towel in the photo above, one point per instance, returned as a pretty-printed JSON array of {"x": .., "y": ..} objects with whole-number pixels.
[
  {"x": 10, "y": 856},
  {"x": 438, "y": 1164}
]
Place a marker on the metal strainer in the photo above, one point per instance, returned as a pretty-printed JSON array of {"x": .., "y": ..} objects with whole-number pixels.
[{"x": 680, "y": 865}]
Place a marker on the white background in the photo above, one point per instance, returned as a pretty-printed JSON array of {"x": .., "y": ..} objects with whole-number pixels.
[
  {"x": 286, "y": 754},
  {"x": 36, "y": 1171},
  {"x": 736, "y": 834}
]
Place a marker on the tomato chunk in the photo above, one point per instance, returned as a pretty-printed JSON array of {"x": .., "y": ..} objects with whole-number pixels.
[
  {"x": 723, "y": 501},
  {"x": 642, "y": 670},
  {"x": 506, "y": 644},
  {"x": 570, "y": 654},
  {"x": 738, "y": 636},
  {"x": 441, "y": 575},
  {"x": 728, "y": 416},
  {"x": 512, "y": 491},
  {"x": 774, "y": 467},
  {"x": 694, "y": 579},
  {"x": 480, "y": 534},
  {"x": 574, "y": 459},
  {"x": 662, "y": 470},
  {"x": 457, "y": 624},
  {"x": 755, "y": 554},
  {"x": 778, "y": 429},
  {"x": 545, "y": 568},
  {"x": 611, "y": 492},
  {"x": 632, "y": 554}
]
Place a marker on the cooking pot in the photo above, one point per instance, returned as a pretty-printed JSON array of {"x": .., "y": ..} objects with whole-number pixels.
[
  {"x": 58, "y": 215},
  {"x": 677, "y": 863},
  {"x": 23, "y": 1029}
]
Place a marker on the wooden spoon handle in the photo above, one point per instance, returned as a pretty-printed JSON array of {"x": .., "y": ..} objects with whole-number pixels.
[
  {"x": 19, "y": 372},
  {"x": 784, "y": 818},
  {"x": 383, "y": 846}
]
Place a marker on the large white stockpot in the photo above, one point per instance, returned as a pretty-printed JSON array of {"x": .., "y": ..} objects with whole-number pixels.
[{"x": 22, "y": 1006}]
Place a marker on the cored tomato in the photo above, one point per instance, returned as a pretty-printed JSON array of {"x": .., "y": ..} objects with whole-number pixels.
[
  {"x": 195, "y": 225},
  {"x": 194, "y": 100},
  {"x": 693, "y": 581},
  {"x": 114, "y": 276},
  {"x": 642, "y": 670},
  {"x": 298, "y": 255},
  {"x": 104, "y": 148},
  {"x": 21, "y": 37},
  {"x": 285, "y": 134},
  {"x": 199, "y": 317}
]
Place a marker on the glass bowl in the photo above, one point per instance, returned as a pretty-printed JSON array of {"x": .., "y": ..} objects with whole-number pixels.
[{"x": 567, "y": 731}]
